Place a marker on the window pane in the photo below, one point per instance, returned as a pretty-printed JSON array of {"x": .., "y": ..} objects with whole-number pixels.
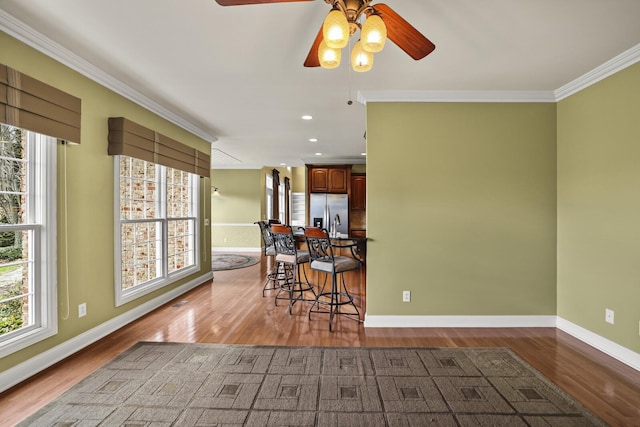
[
  {"x": 141, "y": 258},
  {"x": 138, "y": 189},
  {"x": 181, "y": 244},
  {"x": 178, "y": 194},
  {"x": 16, "y": 288}
]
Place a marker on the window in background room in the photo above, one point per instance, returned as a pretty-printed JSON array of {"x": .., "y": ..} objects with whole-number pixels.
[
  {"x": 268, "y": 200},
  {"x": 281, "y": 214},
  {"x": 156, "y": 209},
  {"x": 28, "y": 299}
]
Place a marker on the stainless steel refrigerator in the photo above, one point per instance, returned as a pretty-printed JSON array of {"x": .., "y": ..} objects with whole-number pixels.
[{"x": 325, "y": 208}]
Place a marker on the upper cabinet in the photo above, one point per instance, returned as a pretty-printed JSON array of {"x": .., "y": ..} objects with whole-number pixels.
[
  {"x": 358, "y": 192},
  {"x": 329, "y": 179},
  {"x": 318, "y": 180}
]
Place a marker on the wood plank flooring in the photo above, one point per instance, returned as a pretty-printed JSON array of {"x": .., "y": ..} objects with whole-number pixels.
[{"x": 231, "y": 309}]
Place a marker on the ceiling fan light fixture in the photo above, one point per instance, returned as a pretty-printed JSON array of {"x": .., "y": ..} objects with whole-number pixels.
[
  {"x": 328, "y": 57},
  {"x": 361, "y": 60},
  {"x": 335, "y": 29},
  {"x": 373, "y": 34}
]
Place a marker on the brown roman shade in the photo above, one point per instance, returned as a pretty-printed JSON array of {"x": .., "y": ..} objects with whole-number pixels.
[
  {"x": 131, "y": 139},
  {"x": 31, "y": 104}
]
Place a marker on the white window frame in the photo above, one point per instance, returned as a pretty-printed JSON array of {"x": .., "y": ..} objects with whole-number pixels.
[
  {"x": 123, "y": 296},
  {"x": 41, "y": 222}
]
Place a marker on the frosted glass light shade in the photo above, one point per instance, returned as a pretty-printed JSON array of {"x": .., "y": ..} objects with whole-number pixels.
[
  {"x": 361, "y": 60},
  {"x": 328, "y": 57},
  {"x": 373, "y": 34},
  {"x": 335, "y": 30}
]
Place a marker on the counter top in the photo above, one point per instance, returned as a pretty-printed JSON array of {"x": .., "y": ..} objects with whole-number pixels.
[
  {"x": 357, "y": 245},
  {"x": 340, "y": 236}
]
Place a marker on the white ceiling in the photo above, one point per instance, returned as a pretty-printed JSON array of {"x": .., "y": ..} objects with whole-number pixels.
[{"x": 234, "y": 75}]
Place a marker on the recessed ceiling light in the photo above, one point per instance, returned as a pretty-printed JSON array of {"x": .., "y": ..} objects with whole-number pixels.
[
  {"x": 307, "y": 117},
  {"x": 313, "y": 139},
  {"x": 363, "y": 154},
  {"x": 318, "y": 154},
  {"x": 283, "y": 164}
]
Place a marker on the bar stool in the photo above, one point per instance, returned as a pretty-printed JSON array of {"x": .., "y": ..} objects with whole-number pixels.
[
  {"x": 323, "y": 260},
  {"x": 292, "y": 260},
  {"x": 269, "y": 250}
]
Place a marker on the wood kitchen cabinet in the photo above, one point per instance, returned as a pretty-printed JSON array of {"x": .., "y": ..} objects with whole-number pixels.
[
  {"x": 325, "y": 179},
  {"x": 358, "y": 205},
  {"x": 358, "y": 192}
]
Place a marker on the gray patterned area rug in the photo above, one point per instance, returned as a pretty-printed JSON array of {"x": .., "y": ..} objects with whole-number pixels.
[{"x": 162, "y": 384}]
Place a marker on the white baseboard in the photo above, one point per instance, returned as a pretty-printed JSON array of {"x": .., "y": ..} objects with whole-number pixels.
[
  {"x": 223, "y": 249},
  {"x": 606, "y": 346},
  {"x": 618, "y": 352},
  {"x": 38, "y": 363},
  {"x": 459, "y": 321}
]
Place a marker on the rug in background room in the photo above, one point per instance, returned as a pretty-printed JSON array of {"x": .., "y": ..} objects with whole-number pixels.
[
  {"x": 220, "y": 384},
  {"x": 221, "y": 262}
]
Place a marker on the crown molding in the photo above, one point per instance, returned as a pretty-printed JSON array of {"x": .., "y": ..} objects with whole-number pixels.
[
  {"x": 618, "y": 63},
  {"x": 614, "y": 65},
  {"x": 361, "y": 160},
  {"x": 43, "y": 44},
  {"x": 456, "y": 96}
]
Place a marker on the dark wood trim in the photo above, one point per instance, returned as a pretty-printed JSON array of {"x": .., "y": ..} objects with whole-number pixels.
[{"x": 276, "y": 194}]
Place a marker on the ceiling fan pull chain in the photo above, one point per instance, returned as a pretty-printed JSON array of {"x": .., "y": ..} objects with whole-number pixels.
[{"x": 349, "y": 101}]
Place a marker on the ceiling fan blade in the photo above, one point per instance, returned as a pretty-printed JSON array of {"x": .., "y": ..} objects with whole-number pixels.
[
  {"x": 243, "y": 2},
  {"x": 312, "y": 58},
  {"x": 404, "y": 34}
]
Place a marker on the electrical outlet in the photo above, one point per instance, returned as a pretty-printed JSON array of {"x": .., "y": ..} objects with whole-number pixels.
[
  {"x": 406, "y": 296},
  {"x": 82, "y": 309},
  {"x": 609, "y": 316}
]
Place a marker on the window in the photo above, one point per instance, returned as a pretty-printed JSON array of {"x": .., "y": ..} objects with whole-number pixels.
[
  {"x": 269, "y": 197},
  {"x": 157, "y": 214},
  {"x": 281, "y": 204},
  {"x": 28, "y": 300}
]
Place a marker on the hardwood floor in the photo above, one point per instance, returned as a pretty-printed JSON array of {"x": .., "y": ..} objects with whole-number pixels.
[{"x": 231, "y": 309}]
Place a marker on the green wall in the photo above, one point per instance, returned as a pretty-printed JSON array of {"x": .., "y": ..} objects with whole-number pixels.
[
  {"x": 599, "y": 207},
  {"x": 299, "y": 180},
  {"x": 236, "y": 208},
  {"x": 359, "y": 168},
  {"x": 461, "y": 208},
  {"x": 241, "y": 202},
  {"x": 89, "y": 171}
]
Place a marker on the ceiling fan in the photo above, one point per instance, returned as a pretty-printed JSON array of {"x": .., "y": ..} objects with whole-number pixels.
[{"x": 375, "y": 22}]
